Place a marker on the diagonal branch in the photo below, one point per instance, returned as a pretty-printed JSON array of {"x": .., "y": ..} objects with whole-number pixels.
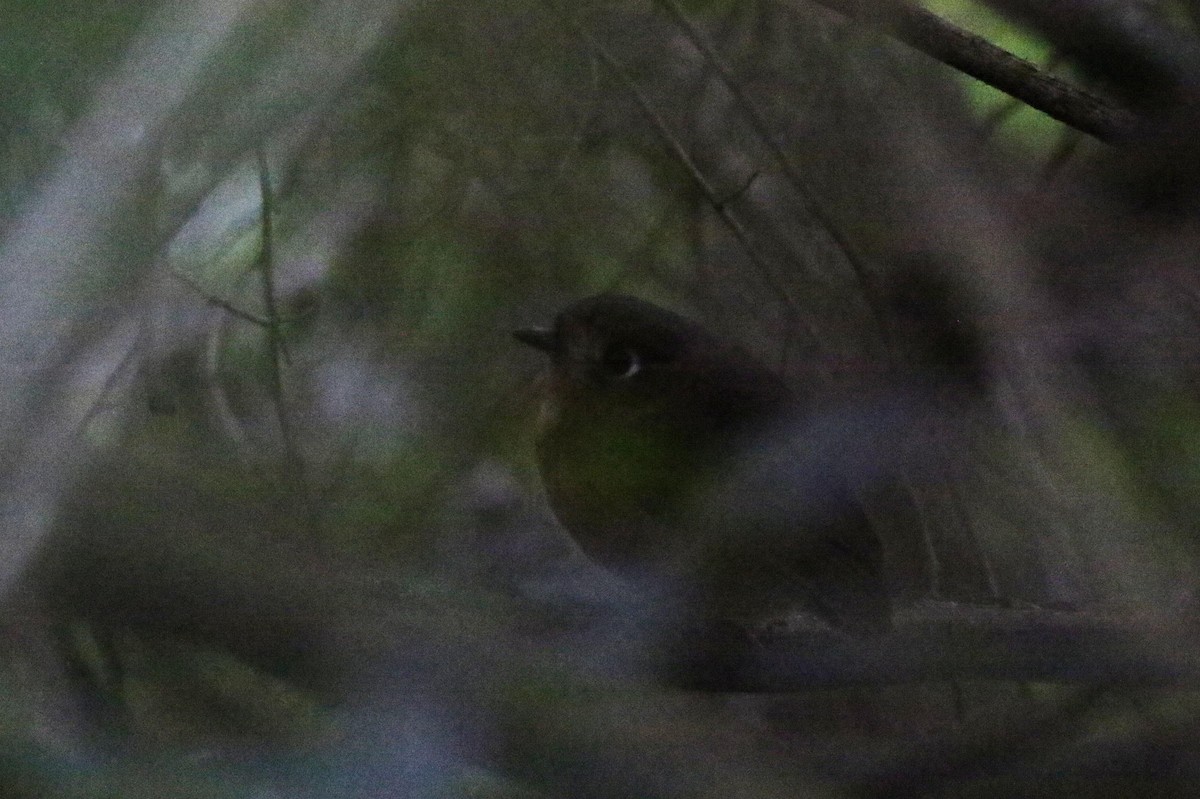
[
  {"x": 719, "y": 204},
  {"x": 785, "y": 162},
  {"x": 293, "y": 461},
  {"x": 944, "y": 641},
  {"x": 984, "y": 61}
]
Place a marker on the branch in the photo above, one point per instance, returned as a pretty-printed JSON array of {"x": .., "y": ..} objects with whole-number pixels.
[
  {"x": 1153, "y": 63},
  {"x": 677, "y": 149},
  {"x": 293, "y": 461},
  {"x": 941, "y": 642},
  {"x": 759, "y": 123},
  {"x": 1000, "y": 69}
]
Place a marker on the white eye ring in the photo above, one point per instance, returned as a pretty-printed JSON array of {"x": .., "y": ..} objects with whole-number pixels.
[{"x": 621, "y": 363}]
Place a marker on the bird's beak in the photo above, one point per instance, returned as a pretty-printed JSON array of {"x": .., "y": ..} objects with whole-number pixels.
[{"x": 540, "y": 338}]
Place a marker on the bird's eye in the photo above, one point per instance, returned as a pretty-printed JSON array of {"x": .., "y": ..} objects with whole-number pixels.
[{"x": 620, "y": 362}]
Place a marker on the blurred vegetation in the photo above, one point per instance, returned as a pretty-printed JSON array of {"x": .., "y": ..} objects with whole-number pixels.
[{"x": 284, "y": 537}]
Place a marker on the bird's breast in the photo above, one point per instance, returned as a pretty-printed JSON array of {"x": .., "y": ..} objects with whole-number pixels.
[{"x": 619, "y": 483}]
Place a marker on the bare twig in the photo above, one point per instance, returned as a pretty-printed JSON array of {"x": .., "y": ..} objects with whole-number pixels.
[
  {"x": 740, "y": 232},
  {"x": 1153, "y": 63},
  {"x": 225, "y": 305},
  {"x": 275, "y": 347},
  {"x": 266, "y": 265},
  {"x": 785, "y": 162},
  {"x": 993, "y": 65},
  {"x": 941, "y": 641}
]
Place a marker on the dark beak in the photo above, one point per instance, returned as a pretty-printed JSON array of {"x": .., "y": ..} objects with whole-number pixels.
[{"x": 540, "y": 338}]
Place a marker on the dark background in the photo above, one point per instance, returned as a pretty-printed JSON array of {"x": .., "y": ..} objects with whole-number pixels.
[{"x": 271, "y": 519}]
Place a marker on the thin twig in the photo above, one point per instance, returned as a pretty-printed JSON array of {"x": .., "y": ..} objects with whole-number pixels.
[
  {"x": 118, "y": 371},
  {"x": 266, "y": 266},
  {"x": 785, "y": 162},
  {"x": 936, "y": 641},
  {"x": 1000, "y": 69},
  {"x": 740, "y": 232},
  {"x": 225, "y": 305},
  {"x": 275, "y": 347},
  {"x": 581, "y": 129}
]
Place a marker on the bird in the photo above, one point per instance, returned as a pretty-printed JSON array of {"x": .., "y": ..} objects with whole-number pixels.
[{"x": 681, "y": 463}]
